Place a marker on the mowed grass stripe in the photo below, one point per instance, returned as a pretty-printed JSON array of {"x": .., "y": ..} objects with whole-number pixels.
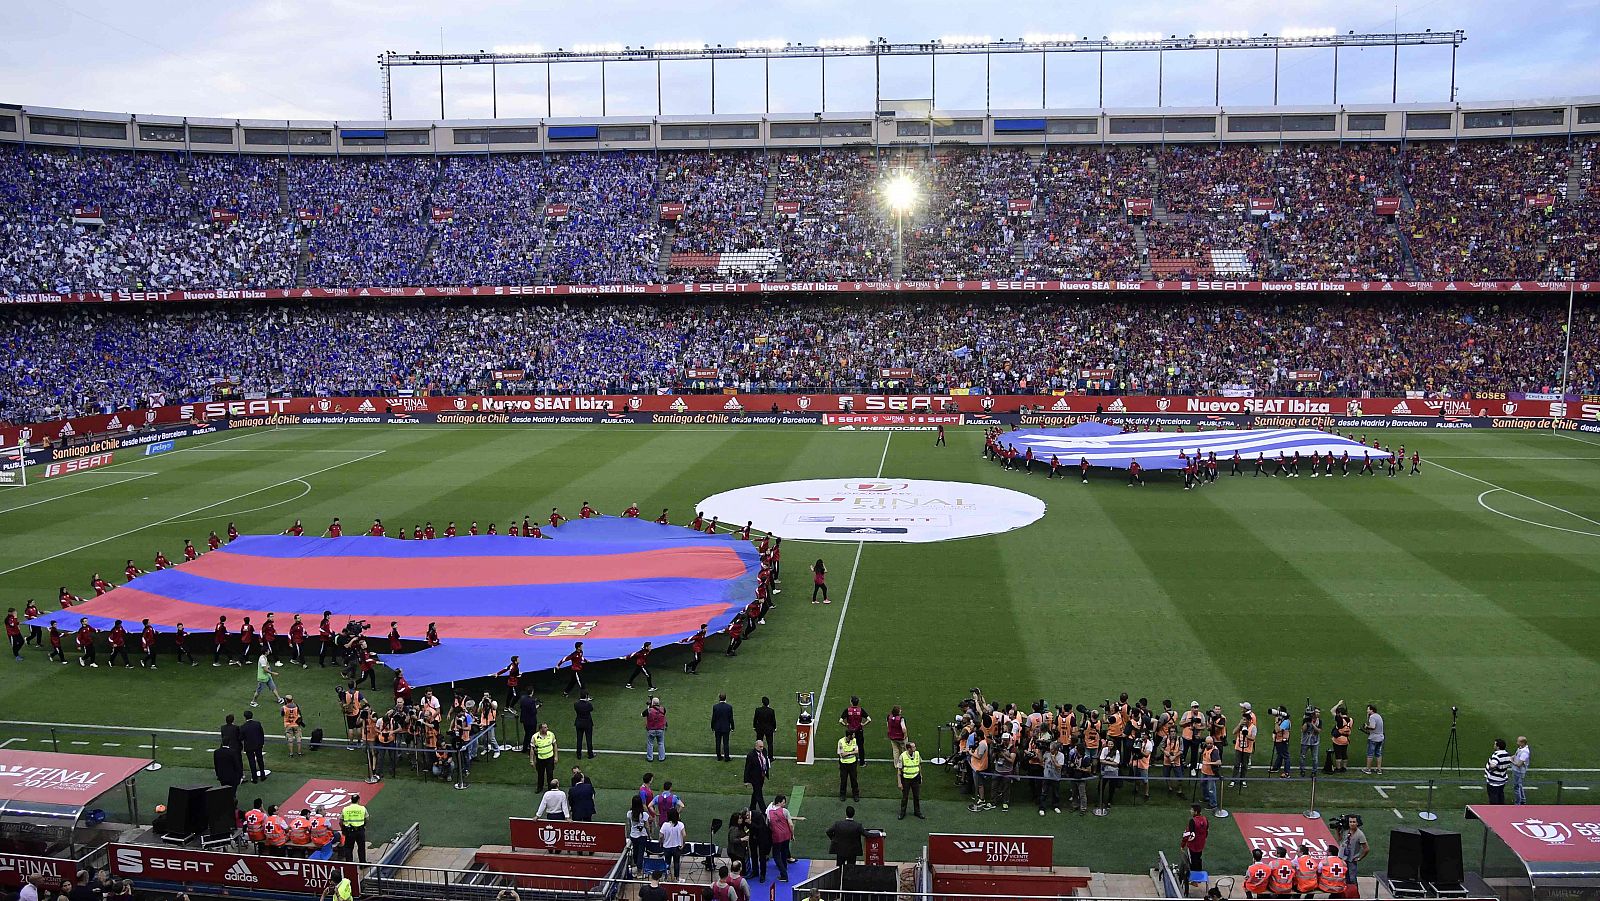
[
  {"x": 1469, "y": 618},
  {"x": 1319, "y": 604}
]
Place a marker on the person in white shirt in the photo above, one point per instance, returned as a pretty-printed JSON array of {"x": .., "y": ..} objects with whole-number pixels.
[
  {"x": 553, "y": 806},
  {"x": 1521, "y": 758},
  {"x": 30, "y": 891},
  {"x": 672, "y": 835}
]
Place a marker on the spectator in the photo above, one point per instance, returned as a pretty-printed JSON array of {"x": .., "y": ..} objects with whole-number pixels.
[
  {"x": 655, "y": 730},
  {"x": 581, "y": 797},
  {"x": 1497, "y": 772},
  {"x": 672, "y": 833},
  {"x": 844, "y": 839},
  {"x": 553, "y": 804},
  {"x": 781, "y": 826}
]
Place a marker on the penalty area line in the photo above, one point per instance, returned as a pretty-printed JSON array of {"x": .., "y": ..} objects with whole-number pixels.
[
  {"x": 188, "y": 513},
  {"x": 1507, "y": 491}
]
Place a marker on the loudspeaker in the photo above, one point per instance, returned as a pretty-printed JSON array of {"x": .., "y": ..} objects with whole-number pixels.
[
  {"x": 186, "y": 809},
  {"x": 221, "y": 802},
  {"x": 1405, "y": 855},
  {"x": 1441, "y": 857}
]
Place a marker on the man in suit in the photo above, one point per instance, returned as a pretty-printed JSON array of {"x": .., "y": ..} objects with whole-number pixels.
[
  {"x": 255, "y": 742},
  {"x": 528, "y": 712},
  {"x": 844, "y": 839},
  {"x": 766, "y": 724},
  {"x": 226, "y": 762},
  {"x": 756, "y": 766},
  {"x": 233, "y": 741},
  {"x": 722, "y": 725}
]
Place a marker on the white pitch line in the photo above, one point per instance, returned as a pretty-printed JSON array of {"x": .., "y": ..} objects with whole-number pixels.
[
  {"x": 1508, "y": 491},
  {"x": 188, "y": 513},
  {"x": 236, "y": 513},
  {"x": 849, "y": 588},
  {"x": 136, "y": 477},
  {"x": 1542, "y": 525},
  {"x": 351, "y": 450},
  {"x": 1576, "y": 438},
  {"x": 7, "y": 742}
]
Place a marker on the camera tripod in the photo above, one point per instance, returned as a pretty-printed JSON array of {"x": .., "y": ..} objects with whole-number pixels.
[{"x": 1452, "y": 747}]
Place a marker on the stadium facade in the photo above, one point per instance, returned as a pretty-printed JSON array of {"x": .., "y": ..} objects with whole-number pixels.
[{"x": 890, "y": 127}]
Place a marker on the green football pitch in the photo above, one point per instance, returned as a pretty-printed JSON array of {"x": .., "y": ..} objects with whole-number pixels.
[{"x": 1471, "y": 585}]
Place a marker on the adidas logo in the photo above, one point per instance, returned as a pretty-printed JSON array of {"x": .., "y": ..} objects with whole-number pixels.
[
  {"x": 732, "y": 404},
  {"x": 678, "y": 406},
  {"x": 114, "y": 423},
  {"x": 1117, "y": 406},
  {"x": 240, "y": 872},
  {"x": 366, "y": 407},
  {"x": 1060, "y": 405},
  {"x": 1401, "y": 409}
]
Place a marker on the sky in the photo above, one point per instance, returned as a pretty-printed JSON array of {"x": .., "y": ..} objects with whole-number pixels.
[{"x": 317, "y": 61}]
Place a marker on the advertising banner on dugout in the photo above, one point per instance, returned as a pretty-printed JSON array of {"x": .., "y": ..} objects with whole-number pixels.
[
  {"x": 568, "y": 835},
  {"x": 15, "y": 869},
  {"x": 239, "y": 871},
  {"x": 1546, "y": 833},
  {"x": 991, "y": 850},
  {"x": 1271, "y": 831}
]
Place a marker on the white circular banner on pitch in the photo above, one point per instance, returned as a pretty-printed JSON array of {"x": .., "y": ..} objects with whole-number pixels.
[{"x": 875, "y": 509}]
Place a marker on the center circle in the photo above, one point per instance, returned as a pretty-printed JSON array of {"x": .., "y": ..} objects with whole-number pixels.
[{"x": 875, "y": 509}]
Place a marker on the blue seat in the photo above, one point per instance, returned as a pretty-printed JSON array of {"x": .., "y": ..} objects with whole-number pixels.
[{"x": 655, "y": 858}]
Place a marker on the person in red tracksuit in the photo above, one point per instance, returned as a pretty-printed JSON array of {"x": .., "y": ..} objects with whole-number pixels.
[
  {"x": 147, "y": 644},
  {"x": 433, "y": 635},
  {"x": 190, "y": 552},
  {"x": 212, "y": 541},
  {"x": 297, "y": 641},
  {"x": 219, "y": 640},
  {"x": 118, "y": 639},
  {"x": 556, "y": 519},
  {"x": 269, "y": 636},
  {"x": 35, "y": 633},
  {"x": 697, "y": 644},
  {"x": 641, "y": 664},
  {"x": 325, "y": 633},
  {"x": 86, "y": 635},
  {"x": 335, "y": 528},
  {"x": 1134, "y": 473},
  {"x": 131, "y": 572},
  {"x": 394, "y": 638},
  {"x": 247, "y": 641},
  {"x": 585, "y": 511},
  {"x": 180, "y": 640},
  {"x": 573, "y": 660},
  {"x": 376, "y": 531},
  {"x": 55, "y": 644},
  {"x": 14, "y": 632},
  {"x": 233, "y": 533}
]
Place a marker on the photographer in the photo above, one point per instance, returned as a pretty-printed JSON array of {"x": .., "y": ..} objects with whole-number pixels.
[
  {"x": 1310, "y": 738},
  {"x": 1353, "y": 845},
  {"x": 1343, "y": 723},
  {"x": 1281, "y": 726}
]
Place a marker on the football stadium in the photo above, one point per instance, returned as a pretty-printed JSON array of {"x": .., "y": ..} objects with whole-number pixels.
[{"x": 1025, "y": 494}]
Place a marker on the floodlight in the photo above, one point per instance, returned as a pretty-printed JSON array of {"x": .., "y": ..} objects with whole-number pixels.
[{"x": 900, "y": 192}]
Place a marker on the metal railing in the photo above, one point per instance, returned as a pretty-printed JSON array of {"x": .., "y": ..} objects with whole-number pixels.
[
  {"x": 407, "y": 882},
  {"x": 1104, "y": 788},
  {"x": 387, "y": 756}
]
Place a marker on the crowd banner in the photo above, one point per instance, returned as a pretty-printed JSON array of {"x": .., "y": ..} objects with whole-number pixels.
[
  {"x": 106, "y": 432},
  {"x": 998, "y": 286}
]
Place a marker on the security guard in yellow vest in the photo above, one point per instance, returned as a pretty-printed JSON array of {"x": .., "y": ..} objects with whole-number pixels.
[
  {"x": 911, "y": 780},
  {"x": 341, "y": 890},
  {"x": 545, "y": 754},
  {"x": 354, "y": 817},
  {"x": 849, "y": 763}
]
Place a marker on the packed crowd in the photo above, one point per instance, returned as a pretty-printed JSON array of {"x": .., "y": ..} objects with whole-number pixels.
[
  {"x": 80, "y": 360},
  {"x": 723, "y": 194},
  {"x": 1475, "y": 210}
]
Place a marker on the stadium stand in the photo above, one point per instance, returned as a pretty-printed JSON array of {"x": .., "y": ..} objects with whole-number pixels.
[
  {"x": 1386, "y": 346},
  {"x": 1480, "y": 210}
]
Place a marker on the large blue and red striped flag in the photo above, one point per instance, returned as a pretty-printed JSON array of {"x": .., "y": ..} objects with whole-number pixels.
[{"x": 611, "y": 583}]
